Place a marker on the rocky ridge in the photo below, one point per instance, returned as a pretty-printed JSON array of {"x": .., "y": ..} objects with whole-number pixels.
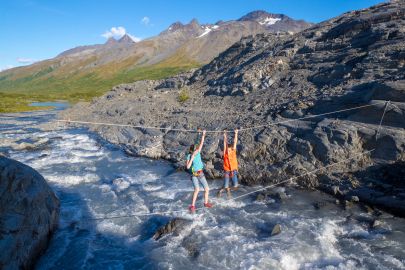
[
  {"x": 179, "y": 45},
  {"x": 351, "y": 60},
  {"x": 276, "y": 22},
  {"x": 29, "y": 212}
]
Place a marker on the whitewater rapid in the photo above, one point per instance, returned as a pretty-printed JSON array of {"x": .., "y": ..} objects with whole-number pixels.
[{"x": 94, "y": 179}]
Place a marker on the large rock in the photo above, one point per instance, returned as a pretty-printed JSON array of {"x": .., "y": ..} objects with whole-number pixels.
[
  {"x": 173, "y": 226},
  {"x": 29, "y": 145},
  {"x": 29, "y": 212}
]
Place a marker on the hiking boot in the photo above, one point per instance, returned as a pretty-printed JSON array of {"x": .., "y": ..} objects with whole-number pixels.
[
  {"x": 191, "y": 208},
  {"x": 208, "y": 205}
]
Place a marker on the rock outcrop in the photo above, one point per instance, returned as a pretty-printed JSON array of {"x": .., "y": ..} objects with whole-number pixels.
[
  {"x": 173, "y": 226},
  {"x": 29, "y": 212},
  {"x": 352, "y": 60}
]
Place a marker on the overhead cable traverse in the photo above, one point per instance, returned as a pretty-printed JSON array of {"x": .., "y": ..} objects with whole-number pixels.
[
  {"x": 89, "y": 219},
  {"x": 217, "y": 131}
]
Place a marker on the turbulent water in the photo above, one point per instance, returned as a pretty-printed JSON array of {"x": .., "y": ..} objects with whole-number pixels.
[{"x": 94, "y": 179}]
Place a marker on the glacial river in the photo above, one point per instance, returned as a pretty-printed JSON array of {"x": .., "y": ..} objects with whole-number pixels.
[{"x": 94, "y": 179}]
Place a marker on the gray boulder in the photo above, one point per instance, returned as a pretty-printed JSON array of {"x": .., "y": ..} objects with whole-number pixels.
[
  {"x": 173, "y": 226},
  {"x": 29, "y": 212}
]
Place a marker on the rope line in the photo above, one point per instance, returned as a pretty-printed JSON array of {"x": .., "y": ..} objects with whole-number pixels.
[
  {"x": 220, "y": 203},
  {"x": 311, "y": 172},
  {"x": 310, "y": 116},
  {"x": 302, "y": 175},
  {"x": 248, "y": 193},
  {"x": 235, "y": 198},
  {"x": 379, "y": 126},
  {"x": 217, "y": 131},
  {"x": 255, "y": 191}
]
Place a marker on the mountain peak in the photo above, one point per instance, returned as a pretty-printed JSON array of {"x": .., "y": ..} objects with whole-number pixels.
[
  {"x": 275, "y": 22},
  {"x": 175, "y": 26},
  {"x": 263, "y": 17},
  {"x": 194, "y": 22},
  {"x": 111, "y": 41},
  {"x": 192, "y": 27},
  {"x": 126, "y": 39}
]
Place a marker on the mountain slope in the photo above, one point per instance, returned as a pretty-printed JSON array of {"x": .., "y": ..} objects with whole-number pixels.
[
  {"x": 87, "y": 71},
  {"x": 356, "y": 59}
]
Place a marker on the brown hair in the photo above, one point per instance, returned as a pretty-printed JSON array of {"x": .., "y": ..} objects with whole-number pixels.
[{"x": 192, "y": 148}]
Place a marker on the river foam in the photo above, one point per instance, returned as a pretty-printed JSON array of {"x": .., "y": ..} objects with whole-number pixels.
[{"x": 94, "y": 179}]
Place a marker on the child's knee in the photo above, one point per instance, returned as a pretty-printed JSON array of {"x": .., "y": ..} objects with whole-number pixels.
[{"x": 196, "y": 189}]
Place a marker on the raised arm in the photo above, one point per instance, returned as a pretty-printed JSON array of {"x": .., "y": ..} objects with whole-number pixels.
[
  {"x": 190, "y": 161},
  {"x": 225, "y": 141},
  {"x": 235, "y": 139},
  {"x": 202, "y": 142}
]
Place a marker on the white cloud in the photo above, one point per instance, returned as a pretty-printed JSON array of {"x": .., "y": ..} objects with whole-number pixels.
[
  {"x": 118, "y": 32},
  {"x": 115, "y": 32},
  {"x": 145, "y": 20},
  {"x": 23, "y": 60}
]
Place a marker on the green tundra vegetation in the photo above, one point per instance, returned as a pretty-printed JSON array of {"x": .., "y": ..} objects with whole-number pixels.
[
  {"x": 43, "y": 82},
  {"x": 183, "y": 95}
]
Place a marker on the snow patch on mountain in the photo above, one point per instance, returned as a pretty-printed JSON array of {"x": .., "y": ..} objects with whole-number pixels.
[
  {"x": 207, "y": 30},
  {"x": 269, "y": 21}
]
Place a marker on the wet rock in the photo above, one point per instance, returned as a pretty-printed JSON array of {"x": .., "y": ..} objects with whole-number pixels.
[
  {"x": 337, "y": 202},
  {"x": 324, "y": 205},
  {"x": 319, "y": 205},
  {"x": 354, "y": 199},
  {"x": 261, "y": 197},
  {"x": 173, "y": 226},
  {"x": 43, "y": 156},
  {"x": 348, "y": 204},
  {"x": 337, "y": 192},
  {"x": 279, "y": 194},
  {"x": 29, "y": 212},
  {"x": 276, "y": 230},
  {"x": 282, "y": 196},
  {"x": 192, "y": 245},
  {"x": 376, "y": 223},
  {"x": 368, "y": 209}
]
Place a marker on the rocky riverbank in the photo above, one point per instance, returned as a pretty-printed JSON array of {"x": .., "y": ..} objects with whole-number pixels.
[
  {"x": 29, "y": 212},
  {"x": 352, "y": 60}
]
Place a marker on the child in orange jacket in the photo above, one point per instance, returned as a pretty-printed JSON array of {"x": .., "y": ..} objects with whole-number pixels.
[{"x": 230, "y": 164}]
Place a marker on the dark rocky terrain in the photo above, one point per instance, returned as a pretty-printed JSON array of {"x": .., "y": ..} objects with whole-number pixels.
[
  {"x": 352, "y": 60},
  {"x": 29, "y": 212}
]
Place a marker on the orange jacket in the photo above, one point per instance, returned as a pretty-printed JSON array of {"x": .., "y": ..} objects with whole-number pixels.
[{"x": 230, "y": 161}]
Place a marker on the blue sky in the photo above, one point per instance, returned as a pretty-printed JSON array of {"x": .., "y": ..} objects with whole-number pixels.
[{"x": 33, "y": 30}]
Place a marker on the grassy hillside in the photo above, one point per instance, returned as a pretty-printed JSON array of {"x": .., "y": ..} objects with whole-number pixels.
[{"x": 49, "y": 81}]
